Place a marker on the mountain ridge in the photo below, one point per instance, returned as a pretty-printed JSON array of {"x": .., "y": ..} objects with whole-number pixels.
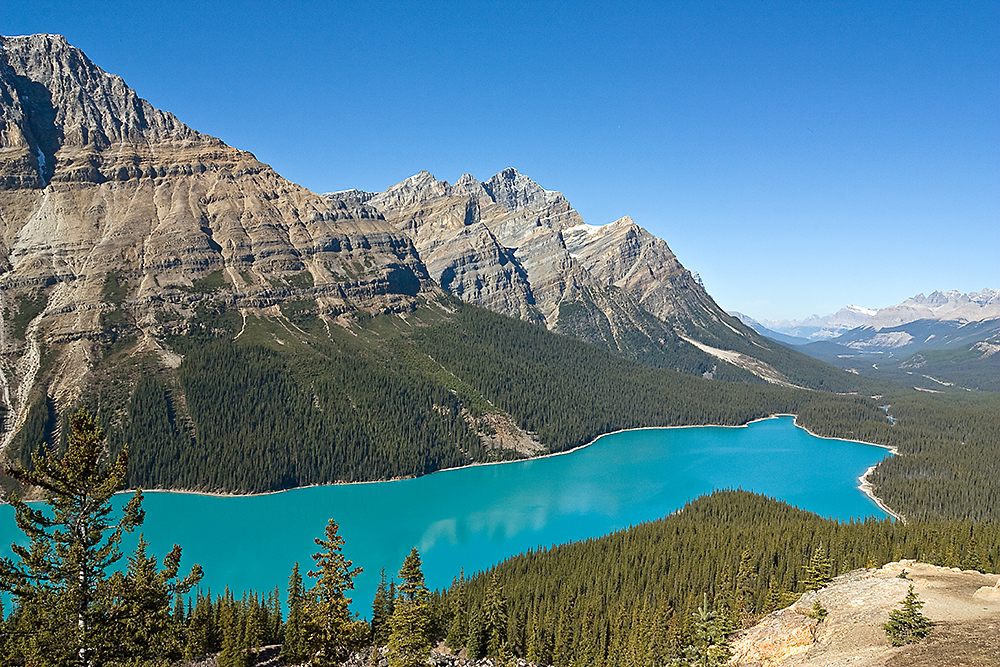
[
  {"x": 947, "y": 305},
  {"x": 111, "y": 212},
  {"x": 514, "y": 247}
]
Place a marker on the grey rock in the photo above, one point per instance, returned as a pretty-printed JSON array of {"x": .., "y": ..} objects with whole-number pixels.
[{"x": 516, "y": 248}]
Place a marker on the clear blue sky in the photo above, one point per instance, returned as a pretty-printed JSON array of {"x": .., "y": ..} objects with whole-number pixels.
[{"x": 799, "y": 155}]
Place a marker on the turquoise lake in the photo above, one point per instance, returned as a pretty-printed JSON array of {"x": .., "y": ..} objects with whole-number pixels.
[{"x": 474, "y": 517}]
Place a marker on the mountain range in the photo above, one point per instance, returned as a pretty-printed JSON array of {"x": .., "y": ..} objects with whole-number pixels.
[
  {"x": 140, "y": 257},
  {"x": 946, "y": 338},
  {"x": 509, "y": 245},
  {"x": 947, "y": 306},
  {"x": 815, "y": 328}
]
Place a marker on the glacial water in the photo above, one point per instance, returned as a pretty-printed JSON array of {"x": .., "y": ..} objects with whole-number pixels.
[{"x": 474, "y": 517}]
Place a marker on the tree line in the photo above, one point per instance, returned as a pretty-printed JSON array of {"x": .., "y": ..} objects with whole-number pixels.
[
  {"x": 393, "y": 398},
  {"x": 71, "y": 607}
]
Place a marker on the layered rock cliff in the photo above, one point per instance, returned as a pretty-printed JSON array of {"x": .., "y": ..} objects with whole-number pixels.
[
  {"x": 510, "y": 245},
  {"x": 510, "y": 235},
  {"x": 113, "y": 213},
  {"x": 122, "y": 229}
]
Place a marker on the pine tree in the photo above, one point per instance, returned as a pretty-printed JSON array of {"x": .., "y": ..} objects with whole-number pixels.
[
  {"x": 818, "y": 570},
  {"x": 294, "y": 648},
  {"x": 141, "y": 601},
  {"x": 818, "y": 612},
  {"x": 332, "y": 633},
  {"x": 409, "y": 638},
  {"x": 381, "y": 613},
  {"x": 565, "y": 635},
  {"x": 199, "y": 630},
  {"x": 533, "y": 650},
  {"x": 59, "y": 584},
  {"x": 256, "y": 624},
  {"x": 494, "y": 613},
  {"x": 710, "y": 646},
  {"x": 907, "y": 625},
  {"x": 475, "y": 638},
  {"x": 274, "y": 621},
  {"x": 746, "y": 584},
  {"x": 459, "y": 627},
  {"x": 233, "y": 653},
  {"x": 774, "y": 599}
]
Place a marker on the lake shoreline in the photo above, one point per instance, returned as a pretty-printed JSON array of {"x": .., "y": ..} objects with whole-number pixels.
[
  {"x": 864, "y": 485},
  {"x": 231, "y": 494}
]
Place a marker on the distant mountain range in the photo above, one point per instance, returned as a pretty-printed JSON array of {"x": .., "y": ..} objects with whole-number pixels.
[
  {"x": 815, "y": 328},
  {"x": 947, "y": 334}
]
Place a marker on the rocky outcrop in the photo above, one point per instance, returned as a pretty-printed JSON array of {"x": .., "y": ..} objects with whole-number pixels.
[
  {"x": 510, "y": 245},
  {"x": 857, "y": 605},
  {"x": 110, "y": 205},
  {"x": 449, "y": 227}
]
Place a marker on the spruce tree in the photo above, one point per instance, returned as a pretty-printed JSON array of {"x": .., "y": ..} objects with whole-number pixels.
[
  {"x": 746, "y": 585},
  {"x": 409, "y": 638},
  {"x": 475, "y": 639},
  {"x": 381, "y": 613},
  {"x": 494, "y": 613},
  {"x": 294, "y": 649},
  {"x": 59, "y": 581},
  {"x": 256, "y": 624},
  {"x": 332, "y": 633},
  {"x": 274, "y": 621},
  {"x": 234, "y": 650},
  {"x": 907, "y": 625},
  {"x": 459, "y": 627},
  {"x": 141, "y": 606},
  {"x": 710, "y": 645},
  {"x": 199, "y": 629},
  {"x": 818, "y": 570}
]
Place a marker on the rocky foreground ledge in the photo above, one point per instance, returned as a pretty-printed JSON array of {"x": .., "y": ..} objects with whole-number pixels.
[{"x": 964, "y": 606}]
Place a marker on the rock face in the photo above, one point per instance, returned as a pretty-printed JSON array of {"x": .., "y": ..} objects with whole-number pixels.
[
  {"x": 941, "y": 306},
  {"x": 858, "y": 603},
  {"x": 509, "y": 245},
  {"x": 108, "y": 205}
]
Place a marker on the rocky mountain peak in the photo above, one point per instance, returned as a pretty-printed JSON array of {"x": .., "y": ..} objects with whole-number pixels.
[
  {"x": 468, "y": 186},
  {"x": 413, "y": 190},
  {"x": 950, "y": 305},
  {"x": 515, "y": 191},
  {"x": 61, "y": 92},
  {"x": 510, "y": 245}
]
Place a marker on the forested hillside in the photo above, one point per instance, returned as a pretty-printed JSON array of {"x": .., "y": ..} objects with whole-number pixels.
[
  {"x": 273, "y": 403},
  {"x": 263, "y": 403},
  {"x": 630, "y": 597}
]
